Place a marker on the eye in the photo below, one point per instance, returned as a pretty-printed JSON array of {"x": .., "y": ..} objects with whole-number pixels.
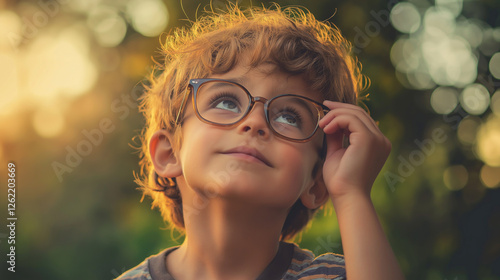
[
  {"x": 288, "y": 116},
  {"x": 226, "y": 101}
]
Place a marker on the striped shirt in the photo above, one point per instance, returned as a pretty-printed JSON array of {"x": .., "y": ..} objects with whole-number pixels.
[{"x": 290, "y": 263}]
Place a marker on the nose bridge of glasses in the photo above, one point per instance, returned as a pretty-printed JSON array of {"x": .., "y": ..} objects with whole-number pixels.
[
  {"x": 260, "y": 99},
  {"x": 255, "y": 100}
]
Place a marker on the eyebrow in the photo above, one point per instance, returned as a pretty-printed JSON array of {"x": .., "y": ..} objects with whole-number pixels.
[
  {"x": 239, "y": 80},
  {"x": 220, "y": 84}
]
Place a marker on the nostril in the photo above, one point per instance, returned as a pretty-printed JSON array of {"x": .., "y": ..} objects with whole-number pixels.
[{"x": 247, "y": 128}]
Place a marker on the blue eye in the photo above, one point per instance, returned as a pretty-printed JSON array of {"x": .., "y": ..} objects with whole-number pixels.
[
  {"x": 226, "y": 101},
  {"x": 288, "y": 116},
  {"x": 228, "y": 105},
  {"x": 287, "y": 119}
]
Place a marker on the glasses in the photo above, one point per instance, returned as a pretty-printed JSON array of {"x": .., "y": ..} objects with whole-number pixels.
[{"x": 225, "y": 103}]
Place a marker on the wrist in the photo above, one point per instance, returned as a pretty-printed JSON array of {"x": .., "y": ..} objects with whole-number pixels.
[{"x": 350, "y": 200}]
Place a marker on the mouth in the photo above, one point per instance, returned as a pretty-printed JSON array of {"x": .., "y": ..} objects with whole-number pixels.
[{"x": 249, "y": 154}]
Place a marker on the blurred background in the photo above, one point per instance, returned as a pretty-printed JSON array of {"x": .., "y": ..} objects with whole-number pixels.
[{"x": 70, "y": 74}]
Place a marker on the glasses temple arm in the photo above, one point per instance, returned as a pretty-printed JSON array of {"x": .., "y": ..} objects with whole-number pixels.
[
  {"x": 182, "y": 107},
  {"x": 325, "y": 109}
]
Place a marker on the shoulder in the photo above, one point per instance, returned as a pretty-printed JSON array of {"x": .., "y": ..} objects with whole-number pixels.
[
  {"x": 306, "y": 265},
  {"x": 146, "y": 270},
  {"x": 140, "y": 272}
]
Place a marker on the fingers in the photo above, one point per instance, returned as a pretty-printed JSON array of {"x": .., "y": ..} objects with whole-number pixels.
[
  {"x": 334, "y": 141},
  {"x": 346, "y": 124},
  {"x": 336, "y": 106},
  {"x": 350, "y": 120},
  {"x": 338, "y": 109}
]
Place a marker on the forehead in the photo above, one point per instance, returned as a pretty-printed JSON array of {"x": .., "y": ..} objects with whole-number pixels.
[{"x": 268, "y": 79}]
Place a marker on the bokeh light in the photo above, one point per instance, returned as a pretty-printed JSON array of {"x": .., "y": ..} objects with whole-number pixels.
[
  {"x": 48, "y": 121},
  {"x": 475, "y": 99},
  {"x": 58, "y": 64},
  {"x": 404, "y": 55},
  {"x": 456, "y": 55},
  {"x": 449, "y": 59},
  {"x": 442, "y": 49},
  {"x": 488, "y": 141},
  {"x": 149, "y": 17},
  {"x": 420, "y": 80},
  {"x": 495, "y": 103},
  {"x": 455, "y": 177},
  {"x": 444, "y": 100},
  {"x": 405, "y": 17},
  {"x": 467, "y": 130},
  {"x": 471, "y": 31},
  {"x": 490, "y": 44},
  {"x": 439, "y": 18},
  {"x": 494, "y": 65},
  {"x": 490, "y": 176},
  {"x": 453, "y": 6},
  {"x": 108, "y": 26}
]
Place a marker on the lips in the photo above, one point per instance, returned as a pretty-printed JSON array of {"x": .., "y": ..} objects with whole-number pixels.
[{"x": 244, "y": 150}]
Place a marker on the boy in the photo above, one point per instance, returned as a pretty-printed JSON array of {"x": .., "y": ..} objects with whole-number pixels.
[{"x": 245, "y": 140}]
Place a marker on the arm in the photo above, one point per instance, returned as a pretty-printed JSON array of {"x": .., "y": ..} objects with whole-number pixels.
[
  {"x": 349, "y": 174},
  {"x": 367, "y": 252}
]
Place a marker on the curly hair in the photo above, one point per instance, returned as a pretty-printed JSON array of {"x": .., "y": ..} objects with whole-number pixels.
[{"x": 292, "y": 38}]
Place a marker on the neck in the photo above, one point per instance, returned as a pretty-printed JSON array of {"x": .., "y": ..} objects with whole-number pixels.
[{"x": 226, "y": 240}]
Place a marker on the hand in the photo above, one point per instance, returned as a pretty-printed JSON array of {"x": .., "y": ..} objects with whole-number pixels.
[{"x": 352, "y": 170}]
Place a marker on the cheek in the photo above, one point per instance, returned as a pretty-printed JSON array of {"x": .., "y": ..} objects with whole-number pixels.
[
  {"x": 299, "y": 164},
  {"x": 195, "y": 150}
]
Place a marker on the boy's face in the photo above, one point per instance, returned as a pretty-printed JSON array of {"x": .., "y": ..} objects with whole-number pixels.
[{"x": 247, "y": 162}]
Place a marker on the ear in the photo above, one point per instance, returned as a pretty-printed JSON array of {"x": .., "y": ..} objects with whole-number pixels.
[
  {"x": 165, "y": 160},
  {"x": 316, "y": 194}
]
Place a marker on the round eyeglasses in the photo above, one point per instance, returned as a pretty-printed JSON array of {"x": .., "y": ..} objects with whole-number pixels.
[{"x": 225, "y": 103}]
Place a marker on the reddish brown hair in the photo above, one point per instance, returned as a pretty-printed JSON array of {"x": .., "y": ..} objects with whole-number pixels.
[{"x": 291, "y": 38}]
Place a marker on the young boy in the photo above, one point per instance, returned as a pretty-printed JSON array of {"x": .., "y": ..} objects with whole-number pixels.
[{"x": 247, "y": 125}]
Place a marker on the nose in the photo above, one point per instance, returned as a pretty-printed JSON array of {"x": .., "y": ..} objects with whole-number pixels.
[{"x": 255, "y": 122}]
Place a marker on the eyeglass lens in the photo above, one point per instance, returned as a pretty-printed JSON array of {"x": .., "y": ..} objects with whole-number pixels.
[{"x": 226, "y": 103}]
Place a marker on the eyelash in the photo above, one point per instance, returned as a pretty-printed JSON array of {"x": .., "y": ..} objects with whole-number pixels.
[
  {"x": 231, "y": 96},
  {"x": 223, "y": 95},
  {"x": 294, "y": 112}
]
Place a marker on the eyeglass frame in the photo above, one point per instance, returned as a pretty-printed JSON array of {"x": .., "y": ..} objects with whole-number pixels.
[{"x": 194, "y": 85}]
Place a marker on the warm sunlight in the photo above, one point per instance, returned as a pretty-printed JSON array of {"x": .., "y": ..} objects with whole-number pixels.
[
  {"x": 488, "y": 141},
  {"x": 58, "y": 64},
  {"x": 79, "y": 78}
]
